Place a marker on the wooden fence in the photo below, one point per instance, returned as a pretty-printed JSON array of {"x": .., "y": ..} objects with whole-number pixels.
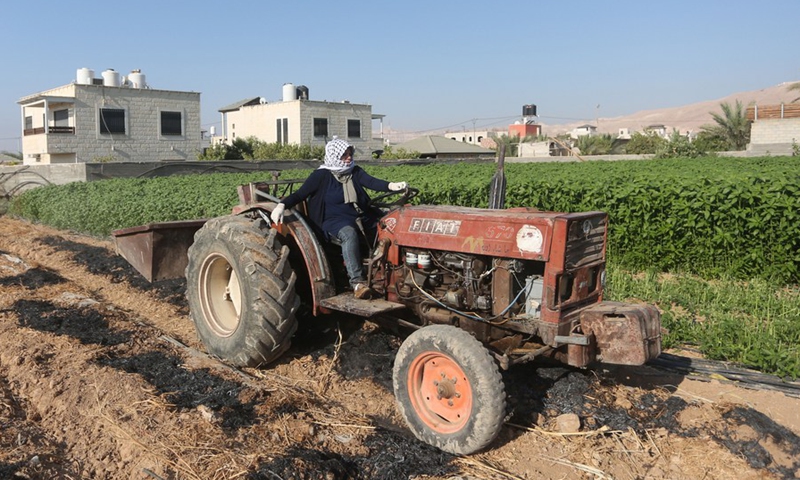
[{"x": 771, "y": 112}]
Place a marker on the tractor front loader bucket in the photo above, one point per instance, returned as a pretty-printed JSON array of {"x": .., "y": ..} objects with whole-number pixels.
[{"x": 158, "y": 250}]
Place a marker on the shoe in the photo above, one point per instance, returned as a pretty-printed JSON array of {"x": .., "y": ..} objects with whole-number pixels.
[{"x": 362, "y": 291}]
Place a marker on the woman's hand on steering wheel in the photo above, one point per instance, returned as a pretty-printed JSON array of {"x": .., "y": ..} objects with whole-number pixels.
[{"x": 405, "y": 195}]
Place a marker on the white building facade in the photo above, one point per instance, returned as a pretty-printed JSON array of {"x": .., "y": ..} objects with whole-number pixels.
[
  {"x": 110, "y": 119},
  {"x": 297, "y": 120}
]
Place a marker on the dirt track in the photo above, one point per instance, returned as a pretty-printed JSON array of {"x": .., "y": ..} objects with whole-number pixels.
[{"x": 94, "y": 383}]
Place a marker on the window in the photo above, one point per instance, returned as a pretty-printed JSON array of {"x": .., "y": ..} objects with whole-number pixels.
[
  {"x": 354, "y": 128},
  {"x": 282, "y": 130},
  {"x": 112, "y": 120},
  {"x": 61, "y": 118},
  {"x": 171, "y": 123},
  {"x": 320, "y": 127},
  {"x": 28, "y": 123}
]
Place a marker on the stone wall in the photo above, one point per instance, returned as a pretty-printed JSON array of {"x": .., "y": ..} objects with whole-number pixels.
[
  {"x": 774, "y": 137},
  {"x": 16, "y": 179}
]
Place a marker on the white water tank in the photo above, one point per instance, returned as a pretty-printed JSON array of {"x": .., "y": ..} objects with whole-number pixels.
[
  {"x": 85, "y": 76},
  {"x": 111, "y": 78},
  {"x": 212, "y": 130},
  {"x": 137, "y": 79},
  {"x": 289, "y": 92}
]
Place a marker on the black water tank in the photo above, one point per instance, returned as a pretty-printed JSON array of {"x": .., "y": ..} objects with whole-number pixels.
[
  {"x": 302, "y": 92},
  {"x": 529, "y": 110}
]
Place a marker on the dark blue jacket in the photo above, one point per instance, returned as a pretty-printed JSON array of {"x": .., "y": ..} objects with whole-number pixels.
[{"x": 315, "y": 188}]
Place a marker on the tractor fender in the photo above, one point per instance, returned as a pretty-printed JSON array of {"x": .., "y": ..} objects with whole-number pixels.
[{"x": 305, "y": 241}]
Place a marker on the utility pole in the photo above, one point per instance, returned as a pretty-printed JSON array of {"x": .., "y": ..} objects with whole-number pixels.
[
  {"x": 474, "y": 142},
  {"x": 597, "y": 117}
]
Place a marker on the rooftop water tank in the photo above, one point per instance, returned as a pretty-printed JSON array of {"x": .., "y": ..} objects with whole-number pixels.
[
  {"x": 137, "y": 79},
  {"x": 289, "y": 92},
  {"x": 529, "y": 110},
  {"x": 85, "y": 76},
  {"x": 111, "y": 78}
]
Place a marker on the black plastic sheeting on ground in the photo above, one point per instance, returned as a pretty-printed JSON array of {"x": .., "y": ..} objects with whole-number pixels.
[{"x": 749, "y": 378}]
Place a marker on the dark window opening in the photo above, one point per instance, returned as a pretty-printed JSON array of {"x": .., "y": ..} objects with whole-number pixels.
[
  {"x": 171, "y": 123},
  {"x": 112, "y": 120},
  {"x": 61, "y": 118},
  {"x": 282, "y": 130},
  {"x": 354, "y": 128},
  {"x": 28, "y": 123},
  {"x": 320, "y": 127}
]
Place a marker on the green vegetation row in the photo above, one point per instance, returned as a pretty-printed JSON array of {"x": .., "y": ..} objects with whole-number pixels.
[
  {"x": 737, "y": 217},
  {"x": 751, "y": 323}
]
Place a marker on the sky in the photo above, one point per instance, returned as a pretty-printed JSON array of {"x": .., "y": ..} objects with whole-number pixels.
[{"x": 425, "y": 65}]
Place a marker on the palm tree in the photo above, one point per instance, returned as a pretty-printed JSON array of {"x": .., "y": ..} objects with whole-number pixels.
[{"x": 732, "y": 127}]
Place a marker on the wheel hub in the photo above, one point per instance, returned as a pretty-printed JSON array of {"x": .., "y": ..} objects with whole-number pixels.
[{"x": 440, "y": 392}]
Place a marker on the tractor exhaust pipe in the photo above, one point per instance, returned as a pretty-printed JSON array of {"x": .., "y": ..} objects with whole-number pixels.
[{"x": 497, "y": 189}]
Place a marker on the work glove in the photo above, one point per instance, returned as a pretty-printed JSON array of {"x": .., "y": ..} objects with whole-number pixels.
[
  {"x": 277, "y": 213},
  {"x": 397, "y": 186}
]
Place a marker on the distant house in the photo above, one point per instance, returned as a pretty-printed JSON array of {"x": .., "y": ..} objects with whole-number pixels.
[
  {"x": 526, "y": 129},
  {"x": 473, "y": 137},
  {"x": 583, "y": 130},
  {"x": 432, "y": 146},
  {"x": 298, "y": 120},
  {"x": 775, "y": 129},
  {"x": 111, "y": 118},
  {"x": 657, "y": 129}
]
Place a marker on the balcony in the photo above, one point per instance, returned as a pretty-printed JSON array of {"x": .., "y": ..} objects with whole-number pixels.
[{"x": 40, "y": 130}]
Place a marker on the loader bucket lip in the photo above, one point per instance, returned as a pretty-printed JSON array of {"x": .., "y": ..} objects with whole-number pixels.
[
  {"x": 158, "y": 226},
  {"x": 158, "y": 250}
]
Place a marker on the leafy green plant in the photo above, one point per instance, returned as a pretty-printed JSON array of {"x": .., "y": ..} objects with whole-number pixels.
[
  {"x": 732, "y": 128},
  {"x": 644, "y": 143},
  {"x": 390, "y": 153},
  {"x": 752, "y": 323},
  {"x": 595, "y": 144},
  {"x": 738, "y": 217},
  {"x": 678, "y": 146}
]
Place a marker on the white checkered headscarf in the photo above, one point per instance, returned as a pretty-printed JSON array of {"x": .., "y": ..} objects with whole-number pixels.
[{"x": 333, "y": 156}]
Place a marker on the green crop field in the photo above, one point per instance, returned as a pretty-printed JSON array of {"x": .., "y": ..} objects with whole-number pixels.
[{"x": 718, "y": 238}]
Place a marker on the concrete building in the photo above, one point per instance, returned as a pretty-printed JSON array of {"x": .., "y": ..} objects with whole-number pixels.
[
  {"x": 775, "y": 129},
  {"x": 296, "y": 119},
  {"x": 526, "y": 129},
  {"x": 583, "y": 130},
  {"x": 472, "y": 137},
  {"x": 112, "y": 118},
  {"x": 658, "y": 130}
]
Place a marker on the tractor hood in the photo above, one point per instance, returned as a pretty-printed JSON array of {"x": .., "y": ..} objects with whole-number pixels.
[{"x": 524, "y": 233}]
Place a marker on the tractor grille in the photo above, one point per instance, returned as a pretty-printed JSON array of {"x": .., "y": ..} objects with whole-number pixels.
[{"x": 585, "y": 241}]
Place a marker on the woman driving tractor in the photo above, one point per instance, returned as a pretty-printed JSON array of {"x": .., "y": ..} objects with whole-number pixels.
[{"x": 340, "y": 207}]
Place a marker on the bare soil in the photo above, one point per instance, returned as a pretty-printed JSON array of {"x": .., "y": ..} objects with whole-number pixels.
[{"x": 102, "y": 377}]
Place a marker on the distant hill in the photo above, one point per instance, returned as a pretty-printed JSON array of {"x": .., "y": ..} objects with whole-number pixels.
[
  {"x": 687, "y": 117},
  {"x": 684, "y": 118}
]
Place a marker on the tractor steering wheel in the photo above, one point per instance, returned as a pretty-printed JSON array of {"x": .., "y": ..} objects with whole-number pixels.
[{"x": 405, "y": 195}]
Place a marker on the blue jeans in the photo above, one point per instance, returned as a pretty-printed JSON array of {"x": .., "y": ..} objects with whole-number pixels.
[{"x": 351, "y": 251}]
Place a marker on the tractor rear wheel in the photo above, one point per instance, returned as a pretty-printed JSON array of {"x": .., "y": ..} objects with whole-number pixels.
[
  {"x": 241, "y": 291},
  {"x": 449, "y": 389}
]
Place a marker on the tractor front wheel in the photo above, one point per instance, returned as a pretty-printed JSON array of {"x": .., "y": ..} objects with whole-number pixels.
[
  {"x": 449, "y": 389},
  {"x": 241, "y": 291}
]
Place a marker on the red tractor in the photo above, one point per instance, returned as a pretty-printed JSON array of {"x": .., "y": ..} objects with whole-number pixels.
[{"x": 483, "y": 290}]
